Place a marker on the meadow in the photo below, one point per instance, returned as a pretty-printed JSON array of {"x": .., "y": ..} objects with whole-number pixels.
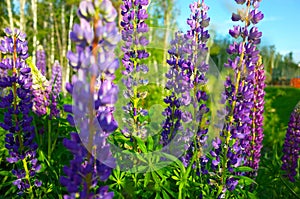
[{"x": 121, "y": 105}]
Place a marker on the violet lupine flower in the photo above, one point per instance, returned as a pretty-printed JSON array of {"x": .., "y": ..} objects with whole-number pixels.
[
  {"x": 291, "y": 146},
  {"x": 244, "y": 86},
  {"x": 41, "y": 60},
  {"x": 238, "y": 138},
  {"x": 256, "y": 137},
  {"x": 17, "y": 83},
  {"x": 56, "y": 77},
  {"x": 196, "y": 68},
  {"x": 76, "y": 179},
  {"x": 134, "y": 27},
  {"x": 41, "y": 91},
  {"x": 55, "y": 86},
  {"x": 177, "y": 85},
  {"x": 96, "y": 38}
]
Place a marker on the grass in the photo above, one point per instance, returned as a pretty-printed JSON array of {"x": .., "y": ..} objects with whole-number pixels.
[{"x": 280, "y": 102}]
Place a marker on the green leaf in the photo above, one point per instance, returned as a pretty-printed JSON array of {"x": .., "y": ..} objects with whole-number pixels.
[
  {"x": 5, "y": 173},
  {"x": 157, "y": 196},
  {"x": 165, "y": 195},
  {"x": 251, "y": 195},
  {"x": 245, "y": 180},
  {"x": 243, "y": 169},
  {"x": 141, "y": 144},
  {"x": 147, "y": 179},
  {"x": 170, "y": 192},
  {"x": 155, "y": 177},
  {"x": 150, "y": 143},
  {"x": 41, "y": 156}
]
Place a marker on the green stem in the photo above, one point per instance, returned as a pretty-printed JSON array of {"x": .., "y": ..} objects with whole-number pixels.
[
  {"x": 55, "y": 139},
  {"x": 36, "y": 132},
  {"x": 293, "y": 192},
  {"x": 183, "y": 182},
  {"x": 49, "y": 139},
  {"x": 27, "y": 177},
  {"x": 27, "y": 174}
]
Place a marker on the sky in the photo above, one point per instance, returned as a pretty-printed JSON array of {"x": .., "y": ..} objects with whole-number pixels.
[{"x": 280, "y": 26}]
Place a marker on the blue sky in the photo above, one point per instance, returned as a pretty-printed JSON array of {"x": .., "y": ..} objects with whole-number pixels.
[{"x": 280, "y": 27}]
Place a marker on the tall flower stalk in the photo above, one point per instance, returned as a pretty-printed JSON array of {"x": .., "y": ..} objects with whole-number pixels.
[
  {"x": 17, "y": 84},
  {"x": 41, "y": 90},
  {"x": 177, "y": 85},
  {"x": 134, "y": 27},
  {"x": 196, "y": 68},
  {"x": 291, "y": 146},
  {"x": 243, "y": 92},
  {"x": 94, "y": 96},
  {"x": 253, "y": 151},
  {"x": 41, "y": 60},
  {"x": 56, "y": 84}
]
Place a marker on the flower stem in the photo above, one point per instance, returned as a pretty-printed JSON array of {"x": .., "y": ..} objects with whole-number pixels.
[
  {"x": 49, "y": 139},
  {"x": 27, "y": 177}
]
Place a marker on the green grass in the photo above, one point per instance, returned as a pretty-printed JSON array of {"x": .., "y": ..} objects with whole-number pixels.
[{"x": 280, "y": 102}]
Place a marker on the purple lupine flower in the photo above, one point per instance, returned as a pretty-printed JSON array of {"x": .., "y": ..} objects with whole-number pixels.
[
  {"x": 55, "y": 86},
  {"x": 243, "y": 93},
  {"x": 40, "y": 90},
  {"x": 196, "y": 68},
  {"x": 56, "y": 77},
  {"x": 177, "y": 84},
  {"x": 41, "y": 60},
  {"x": 17, "y": 84},
  {"x": 134, "y": 27},
  {"x": 256, "y": 137},
  {"x": 80, "y": 167},
  {"x": 40, "y": 100},
  {"x": 94, "y": 96},
  {"x": 291, "y": 146}
]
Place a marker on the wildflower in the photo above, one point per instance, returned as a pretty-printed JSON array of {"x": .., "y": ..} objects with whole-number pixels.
[
  {"x": 94, "y": 96},
  {"x": 291, "y": 146},
  {"x": 41, "y": 60},
  {"x": 17, "y": 83},
  {"x": 55, "y": 86},
  {"x": 134, "y": 27}
]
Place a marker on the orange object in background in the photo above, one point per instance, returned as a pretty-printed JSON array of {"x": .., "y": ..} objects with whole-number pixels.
[{"x": 295, "y": 82}]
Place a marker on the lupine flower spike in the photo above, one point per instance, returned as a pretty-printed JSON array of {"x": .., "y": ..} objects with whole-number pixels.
[
  {"x": 41, "y": 90},
  {"x": 241, "y": 136},
  {"x": 291, "y": 146},
  {"x": 41, "y": 60},
  {"x": 94, "y": 96},
  {"x": 134, "y": 27},
  {"x": 16, "y": 81},
  {"x": 196, "y": 68},
  {"x": 55, "y": 86}
]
